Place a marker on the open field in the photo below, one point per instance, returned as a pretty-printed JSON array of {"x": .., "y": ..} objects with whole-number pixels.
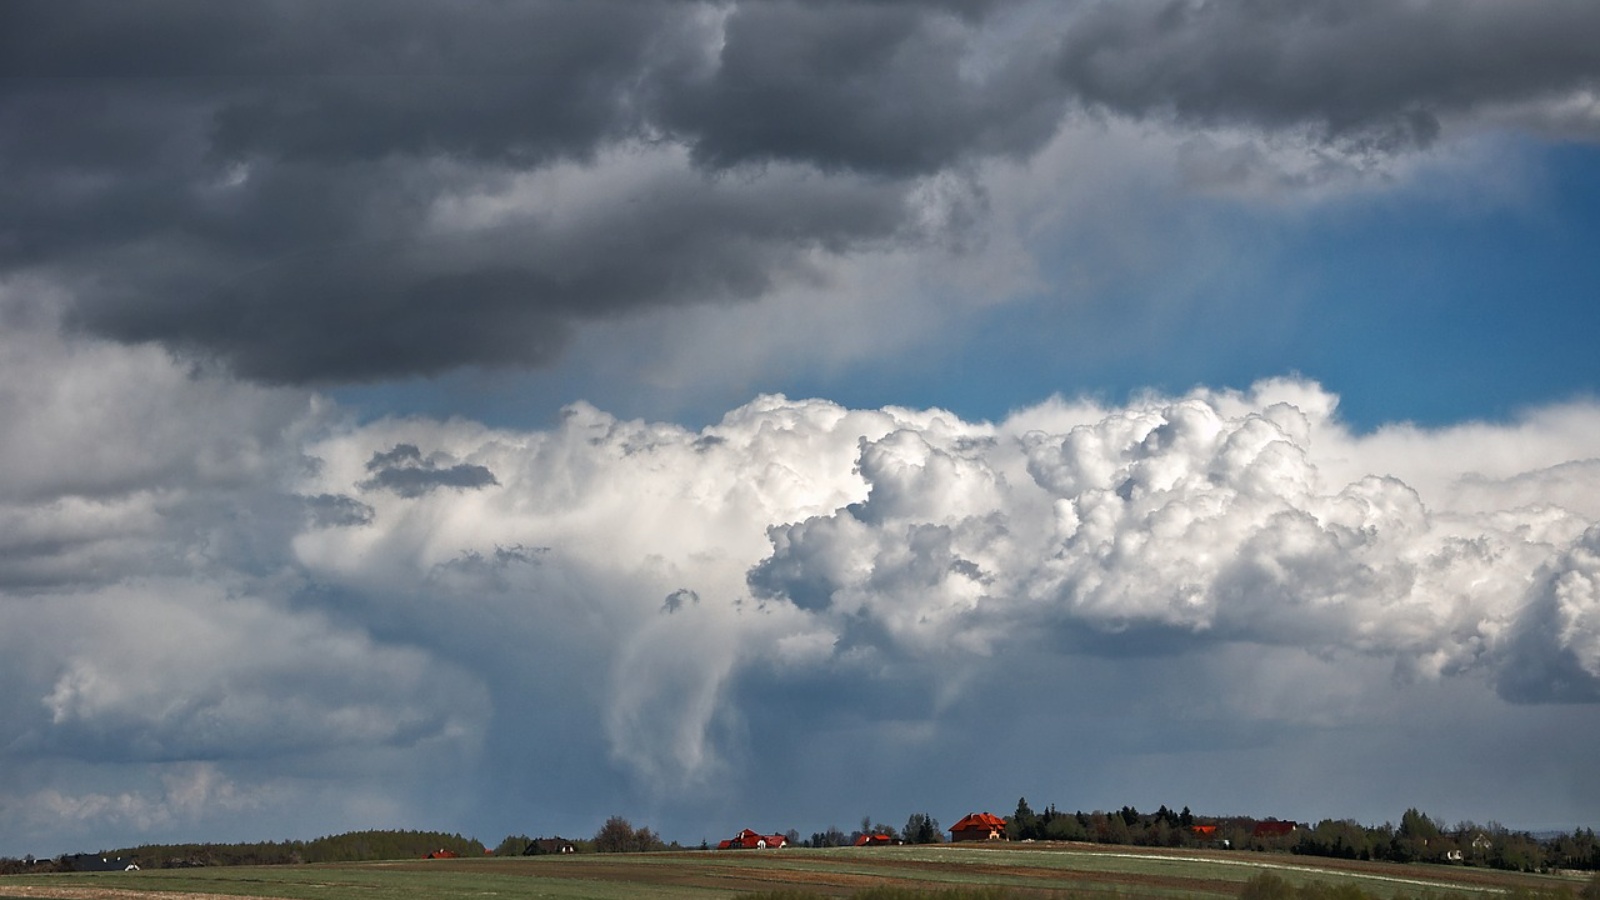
[{"x": 1037, "y": 870}]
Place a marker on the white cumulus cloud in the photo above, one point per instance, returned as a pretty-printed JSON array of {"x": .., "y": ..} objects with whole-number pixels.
[
  {"x": 295, "y": 604},
  {"x": 800, "y": 537}
]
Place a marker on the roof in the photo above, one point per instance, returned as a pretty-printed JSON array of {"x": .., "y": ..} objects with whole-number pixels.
[
  {"x": 981, "y": 820},
  {"x": 749, "y": 839},
  {"x": 1272, "y": 828},
  {"x": 92, "y": 862}
]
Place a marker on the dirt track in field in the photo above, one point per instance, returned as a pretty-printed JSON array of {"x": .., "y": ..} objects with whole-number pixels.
[{"x": 87, "y": 892}]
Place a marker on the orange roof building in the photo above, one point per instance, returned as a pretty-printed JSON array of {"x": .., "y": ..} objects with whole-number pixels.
[
  {"x": 979, "y": 827},
  {"x": 752, "y": 840}
]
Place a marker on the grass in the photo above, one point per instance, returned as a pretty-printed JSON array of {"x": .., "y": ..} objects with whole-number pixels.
[{"x": 897, "y": 873}]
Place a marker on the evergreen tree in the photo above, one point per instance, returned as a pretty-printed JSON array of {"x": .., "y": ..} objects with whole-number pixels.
[
  {"x": 1024, "y": 824},
  {"x": 922, "y": 828}
]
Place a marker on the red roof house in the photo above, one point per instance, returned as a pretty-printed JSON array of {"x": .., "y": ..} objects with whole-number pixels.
[
  {"x": 979, "y": 827},
  {"x": 875, "y": 840},
  {"x": 1272, "y": 828},
  {"x": 751, "y": 840}
]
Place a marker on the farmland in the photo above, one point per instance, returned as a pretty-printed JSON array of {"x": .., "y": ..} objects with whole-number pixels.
[{"x": 1033, "y": 870}]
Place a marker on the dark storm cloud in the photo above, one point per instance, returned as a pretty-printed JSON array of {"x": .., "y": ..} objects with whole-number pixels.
[
  {"x": 886, "y": 88},
  {"x": 1367, "y": 70},
  {"x": 255, "y": 184},
  {"x": 361, "y": 81},
  {"x": 271, "y": 185}
]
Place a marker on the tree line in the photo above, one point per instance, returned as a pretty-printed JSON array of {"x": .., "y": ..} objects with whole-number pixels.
[
  {"x": 355, "y": 846},
  {"x": 1421, "y": 838},
  {"x": 920, "y": 828},
  {"x": 1417, "y": 838}
]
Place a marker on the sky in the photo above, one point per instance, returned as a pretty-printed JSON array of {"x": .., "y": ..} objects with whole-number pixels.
[{"x": 496, "y": 416}]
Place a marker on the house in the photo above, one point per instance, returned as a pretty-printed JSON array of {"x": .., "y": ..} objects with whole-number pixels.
[
  {"x": 877, "y": 840},
  {"x": 443, "y": 854},
  {"x": 1273, "y": 828},
  {"x": 89, "y": 862},
  {"x": 542, "y": 846},
  {"x": 979, "y": 827},
  {"x": 751, "y": 840}
]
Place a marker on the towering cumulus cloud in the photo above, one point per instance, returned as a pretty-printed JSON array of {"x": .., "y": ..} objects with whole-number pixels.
[
  {"x": 681, "y": 580},
  {"x": 1207, "y": 518},
  {"x": 660, "y": 566}
]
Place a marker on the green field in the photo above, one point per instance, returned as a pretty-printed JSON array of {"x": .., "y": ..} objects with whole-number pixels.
[{"x": 1042, "y": 870}]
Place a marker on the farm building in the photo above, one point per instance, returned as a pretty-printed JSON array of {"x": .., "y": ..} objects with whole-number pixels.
[
  {"x": 1273, "y": 828},
  {"x": 877, "y": 840},
  {"x": 89, "y": 862},
  {"x": 443, "y": 854},
  {"x": 979, "y": 827},
  {"x": 751, "y": 840}
]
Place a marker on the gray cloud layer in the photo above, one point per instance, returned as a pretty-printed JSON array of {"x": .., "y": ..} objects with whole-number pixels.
[
  {"x": 325, "y": 194},
  {"x": 1383, "y": 73}
]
